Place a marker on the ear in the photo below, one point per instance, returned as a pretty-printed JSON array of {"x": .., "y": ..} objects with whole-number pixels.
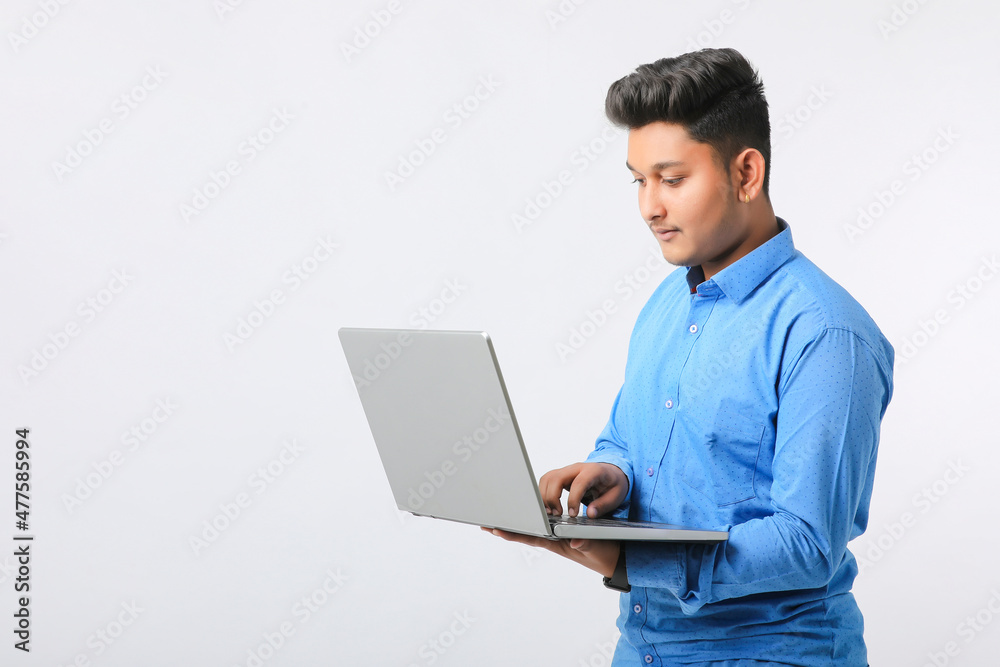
[{"x": 748, "y": 173}]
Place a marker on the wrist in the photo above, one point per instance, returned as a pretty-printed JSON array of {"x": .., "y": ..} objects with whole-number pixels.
[{"x": 618, "y": 579}]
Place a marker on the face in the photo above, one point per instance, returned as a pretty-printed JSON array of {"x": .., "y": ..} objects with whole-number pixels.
[{"x": 685, "y": 196}]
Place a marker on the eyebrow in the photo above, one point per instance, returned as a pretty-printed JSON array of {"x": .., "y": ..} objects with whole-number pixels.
[{"x": 659, "y": 166}]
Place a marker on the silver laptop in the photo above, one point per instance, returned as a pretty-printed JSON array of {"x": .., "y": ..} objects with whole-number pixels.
[{"x": 449, "y": 442}]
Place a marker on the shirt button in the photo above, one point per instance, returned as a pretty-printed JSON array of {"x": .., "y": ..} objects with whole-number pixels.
[
  {"x": 637, "y": 608},
  {"x": 649, "y": 659},
  {"x": 649, "y": 471},
  {"x": 693, "y": 328},
  {"x": 669, "y": 404}
]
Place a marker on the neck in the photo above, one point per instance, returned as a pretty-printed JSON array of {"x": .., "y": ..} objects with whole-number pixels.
[{"x": 762, "y": 225}]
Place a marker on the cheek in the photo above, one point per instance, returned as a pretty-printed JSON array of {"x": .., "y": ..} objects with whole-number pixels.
[{"x": 700, "y": 203}]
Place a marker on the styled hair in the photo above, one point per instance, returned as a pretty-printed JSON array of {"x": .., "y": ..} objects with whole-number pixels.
[{"x": 715, "y": 94}]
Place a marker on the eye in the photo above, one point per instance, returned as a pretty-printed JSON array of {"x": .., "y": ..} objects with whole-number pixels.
[
  {"x": 639, "y": 181},
  {"x": 672, "y": 181}
]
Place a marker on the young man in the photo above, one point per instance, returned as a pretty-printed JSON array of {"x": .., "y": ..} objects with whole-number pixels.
[{"x": 753, "y": 395}]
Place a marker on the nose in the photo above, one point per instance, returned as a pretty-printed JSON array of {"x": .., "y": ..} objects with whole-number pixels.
[{"x": 651, "y": 205}]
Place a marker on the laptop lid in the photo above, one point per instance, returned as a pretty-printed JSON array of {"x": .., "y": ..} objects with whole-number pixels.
[{"x": 444, "y": 427}]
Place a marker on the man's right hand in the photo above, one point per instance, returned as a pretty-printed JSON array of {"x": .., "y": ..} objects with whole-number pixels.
[{"x": 600, "y": 486}]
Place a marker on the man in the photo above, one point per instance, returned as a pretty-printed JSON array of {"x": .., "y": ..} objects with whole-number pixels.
[{"x": 753, "y": 395}]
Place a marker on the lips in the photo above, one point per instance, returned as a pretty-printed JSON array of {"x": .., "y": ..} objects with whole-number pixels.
[{"x": 665, "y": 233}]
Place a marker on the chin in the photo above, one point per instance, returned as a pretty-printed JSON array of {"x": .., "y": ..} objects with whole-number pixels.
[{"x": 673, "y": 256}]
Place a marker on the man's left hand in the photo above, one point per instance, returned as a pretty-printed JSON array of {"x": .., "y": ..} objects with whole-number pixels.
[{"x": 598, "y": 555}]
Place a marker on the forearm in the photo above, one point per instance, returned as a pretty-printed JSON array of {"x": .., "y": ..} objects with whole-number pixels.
[{"x": 775, "y": 553}]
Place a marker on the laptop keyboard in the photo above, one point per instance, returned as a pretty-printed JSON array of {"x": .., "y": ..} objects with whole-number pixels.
[{"x": 586, "y": 521}]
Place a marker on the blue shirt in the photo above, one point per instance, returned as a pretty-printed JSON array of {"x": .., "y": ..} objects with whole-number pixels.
[{"x": 751, "y": 404}]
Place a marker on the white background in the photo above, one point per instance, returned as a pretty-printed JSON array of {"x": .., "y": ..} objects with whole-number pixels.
[{"x": 853, "y": 98}]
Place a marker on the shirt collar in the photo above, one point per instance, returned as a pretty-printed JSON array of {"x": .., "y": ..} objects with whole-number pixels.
[{"x": 744, "y": 275}]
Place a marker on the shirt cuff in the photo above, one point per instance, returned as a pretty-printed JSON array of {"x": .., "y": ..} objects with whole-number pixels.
[
  {"x": 685, "y": 570},
  {"x": 655, "y": 565}
]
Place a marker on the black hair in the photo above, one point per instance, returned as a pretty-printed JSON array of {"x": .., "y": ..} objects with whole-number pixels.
[{"x": 715, "y": 94}]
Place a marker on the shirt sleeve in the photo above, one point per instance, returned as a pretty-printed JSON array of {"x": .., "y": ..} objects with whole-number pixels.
[
  {"x": 611, "y": 448},
  {"x": 830, "y": 406}
]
